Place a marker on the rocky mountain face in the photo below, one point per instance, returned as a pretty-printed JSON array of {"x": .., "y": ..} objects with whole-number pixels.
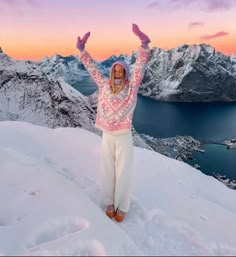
[
  {"x": 190, "y": 74},
  {"x": 26, "y": 94}
]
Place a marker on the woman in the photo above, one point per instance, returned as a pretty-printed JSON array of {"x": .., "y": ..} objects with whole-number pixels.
[{"x": 117, "y": 99}]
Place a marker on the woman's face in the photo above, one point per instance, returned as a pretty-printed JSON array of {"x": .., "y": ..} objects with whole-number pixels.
[{"x": 119, "y": 71}]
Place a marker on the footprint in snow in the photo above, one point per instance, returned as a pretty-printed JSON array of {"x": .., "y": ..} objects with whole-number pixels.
[{"x": 56, "y": 229}]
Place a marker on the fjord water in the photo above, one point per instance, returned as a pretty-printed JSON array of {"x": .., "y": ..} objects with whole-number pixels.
[
  {"x": 208, "y": 122},
  {"x": 217, "y": 159},
  {"x": 203, "y": 121}
]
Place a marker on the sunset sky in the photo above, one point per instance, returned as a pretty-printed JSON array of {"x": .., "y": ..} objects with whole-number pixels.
[{"x": 33, "y": 29}]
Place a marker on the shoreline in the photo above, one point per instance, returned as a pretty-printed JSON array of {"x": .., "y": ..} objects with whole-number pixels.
[
  {"x": 229, "y": 144},
  {"x": 182, "y": 148}
]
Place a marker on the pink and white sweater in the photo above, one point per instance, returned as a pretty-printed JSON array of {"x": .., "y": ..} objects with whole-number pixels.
[{"x": 115, "y": 112}]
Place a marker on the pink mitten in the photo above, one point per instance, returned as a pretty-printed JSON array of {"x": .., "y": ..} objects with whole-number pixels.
[
  {"x": 81, "y": 42},
  {"x": 143, "y": 37}
]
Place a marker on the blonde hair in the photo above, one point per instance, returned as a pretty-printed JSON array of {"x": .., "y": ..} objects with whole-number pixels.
[{"x": 113, "y": 86}]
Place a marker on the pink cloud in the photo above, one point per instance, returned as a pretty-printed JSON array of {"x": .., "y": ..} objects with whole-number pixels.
[
  {"x": 219, "y": 5},
  {"x": 216, "y": 35},
  {"x": 205, "y": 5},
  {"x": 152, "y": 5},
  {"x": 196, "y": 24}
]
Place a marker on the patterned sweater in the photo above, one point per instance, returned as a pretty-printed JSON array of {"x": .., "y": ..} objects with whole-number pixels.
[{"x": 115, "y": 112}]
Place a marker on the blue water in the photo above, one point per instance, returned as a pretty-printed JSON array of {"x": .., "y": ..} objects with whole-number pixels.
[
  {"x": 212, "y": 121},
  {"x": 217, "y": 159},
  {"x": 86, "y": 87},
  {"x": 203, "y": 121}
]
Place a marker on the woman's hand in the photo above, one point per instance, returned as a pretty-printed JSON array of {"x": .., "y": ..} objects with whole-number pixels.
[
  {"x": 143, "y": 37},
  {"x": 81, "y": 42}
]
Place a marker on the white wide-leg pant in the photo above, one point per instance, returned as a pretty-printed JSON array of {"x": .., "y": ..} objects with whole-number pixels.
[{"x": 117, "y": 164}]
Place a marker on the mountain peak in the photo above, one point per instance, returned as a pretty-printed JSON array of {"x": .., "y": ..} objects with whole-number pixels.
[
  {"x": 207, "y": 48},
  {"x": 56, "y": 57}
]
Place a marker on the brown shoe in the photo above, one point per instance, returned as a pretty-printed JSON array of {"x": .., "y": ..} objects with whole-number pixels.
[
  {"x": 119, "y": 216},
  {"x": 110, "y": 212}
]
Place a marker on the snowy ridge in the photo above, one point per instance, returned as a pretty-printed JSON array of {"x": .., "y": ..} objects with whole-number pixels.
[
  {"x": 70, "y": 68},
  {"x": 29, "y": 95},
  {"x": 7, "y": 63}
]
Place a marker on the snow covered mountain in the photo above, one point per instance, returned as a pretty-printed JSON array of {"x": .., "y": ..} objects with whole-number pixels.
[
  {"x": 71, "y": 69},
  {"x": 194, "y": 73},
  {"x": 183, "y": 74},
  {"x": 26, "y": 94}
]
